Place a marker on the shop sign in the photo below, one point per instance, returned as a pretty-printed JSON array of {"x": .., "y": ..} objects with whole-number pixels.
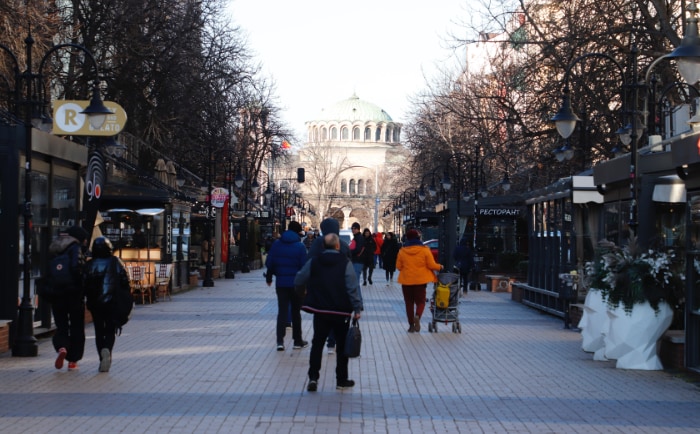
[
  {"x": 500, "y": 212},
  {"x": 218, "y": 197}
]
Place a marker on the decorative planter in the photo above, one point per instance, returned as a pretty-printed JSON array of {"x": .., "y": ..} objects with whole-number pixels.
[
  {"x": 594, "y": 324},
  {"x": 632, "y": 338}
]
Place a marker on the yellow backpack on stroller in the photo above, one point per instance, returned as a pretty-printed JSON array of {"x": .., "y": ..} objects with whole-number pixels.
[{"x": 442, "y": 295}]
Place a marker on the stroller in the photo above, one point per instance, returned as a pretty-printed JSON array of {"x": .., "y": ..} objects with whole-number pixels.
[{"x": 443, "y": 310}]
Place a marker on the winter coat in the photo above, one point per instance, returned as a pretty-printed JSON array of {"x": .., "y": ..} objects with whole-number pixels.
[
  {"x": 77, "y": 261},
  {"x": 368, "y": 253},
  {"x": 357, "y": 248},
  {"x": 328, "y": 226},
  {"x": 378, "y": 241},
  {"x": 390, "y": 248},
  {"x": 331, "y": 285},
  {"x": 464, "y": 257},
  {"x": 287, "y": 255},
  {"x": 416, "y": 264},
  {"x": 103, "y": 277}
]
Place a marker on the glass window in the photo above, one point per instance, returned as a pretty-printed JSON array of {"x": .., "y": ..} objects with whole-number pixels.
[
  {"x": 343, "y": 186},
  {"x": 368, "y": 134},
  {"x": 356, "y": 133},
  {"x": 360, "y": 186},
  {"x": 344, "y": 133},
  {"x": 352, "y": 186},
  {"x": 64, "y": 204},
  {"x": 324, "y": 134},
  {"x": 334, "y": 133},
  {"x": 377, "y": 134}
]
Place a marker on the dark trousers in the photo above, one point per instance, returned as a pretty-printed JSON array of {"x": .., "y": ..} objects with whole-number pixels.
[
  {"x": 285, "y": 296},
  {"x": 104, "y": 329},
  {"x": 69, "y": 316},
  {"x": 323, "y": 324},
  {"x": 367, "y": 269},
  {"x": 414, "y": 296}
]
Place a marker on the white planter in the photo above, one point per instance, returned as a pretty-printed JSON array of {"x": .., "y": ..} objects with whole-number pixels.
[
  {"x": 632, "y": 338},
  {"x": 594, "y": 324}
]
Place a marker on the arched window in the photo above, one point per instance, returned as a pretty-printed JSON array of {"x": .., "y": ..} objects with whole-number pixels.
[
  {"x": 360, "y": 187},
  {"x": 356, "y": 133},
  {"x": 368, "y": 134},
  {"x": 396, "y": 135},
  {"x": 334, "y": 133},
  {"x": 315, "y": 134},
  {"x": 324, "y": 134},
  {"x": 386, "y": 135},
  {"x": 343, "y": 186},
  {"x": 377, "y": 134},
  {"x": 352, "y": 186},
  {"x": 389, "y": 134},
  {"x": 370, "y": 187},
  {"x": 344, "y": 133}
]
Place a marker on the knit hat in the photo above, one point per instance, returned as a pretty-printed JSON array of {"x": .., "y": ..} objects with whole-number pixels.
[
  {"x": 78, "y": 233},
  {"x": 355, "y": 225},
  {"x": 295, "y": 227},
  {"x": 412, "y": 234}
]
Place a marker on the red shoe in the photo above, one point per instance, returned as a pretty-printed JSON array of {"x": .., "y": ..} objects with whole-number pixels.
[
  {"x": 72, "y": 366},
  {"x": 62, "y": 353}
]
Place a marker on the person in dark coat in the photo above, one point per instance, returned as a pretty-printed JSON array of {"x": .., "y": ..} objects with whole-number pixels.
[
  {"x": 287, "y": 255},
  {"x": 105, "y": 274},
  {"x": 368, "y": 257},
  {"x": 390, "y": 249},
  {"x": 464, "y": 259},
  {"x": 332, "y": 295},
  {"x": 357, "y": 248},
  {"x": 69, "y": 308},
  {"x": 328, "y": 226}
]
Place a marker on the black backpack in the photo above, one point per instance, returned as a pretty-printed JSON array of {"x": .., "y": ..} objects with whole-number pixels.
[
  {"x": 121, "y": 301},
  {"x": 59, "y": 280}
]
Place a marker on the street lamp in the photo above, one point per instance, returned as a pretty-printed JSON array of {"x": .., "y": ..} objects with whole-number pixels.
[
  {"x": 208, "y": 280},
  {"x": 242, "y": 183},
  {"x": 27, "y": 101},
  {"x": 688, "y": 58}
]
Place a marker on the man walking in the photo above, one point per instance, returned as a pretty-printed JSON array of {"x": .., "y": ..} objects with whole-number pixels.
[
  {"x": 357, "y": 250},
  {"x": 332, "y": 295},
  {"x": 287, "y": 256}
]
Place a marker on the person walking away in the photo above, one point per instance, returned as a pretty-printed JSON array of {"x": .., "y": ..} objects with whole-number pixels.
[
  {"x": 333, "y": 297},
  {"x": 464, "y": 259},
  {"x": 287, "y": 256},
  {"x": 105, "y": 276},
  {"x": 67, "y": 301},
  {"x": 390, "y": 248},
  {"x": 378, "y": 241},
  {"x": 368, "y": 255},
  {"x": 417, "y": 268},
  {"x": 328, "y": 226},
  {"x": 357, "y": 247}
]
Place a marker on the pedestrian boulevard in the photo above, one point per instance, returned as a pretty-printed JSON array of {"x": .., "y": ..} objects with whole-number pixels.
[{"x": 206, "y": 362}]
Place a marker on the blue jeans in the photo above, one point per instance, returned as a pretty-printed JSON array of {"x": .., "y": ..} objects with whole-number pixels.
[{"x": 358, "y": 266}]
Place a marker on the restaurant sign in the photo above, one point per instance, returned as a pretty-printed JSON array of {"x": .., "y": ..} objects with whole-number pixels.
[
  {"x": 500, "y": 212},
  {"x": 218, "y": 197}
]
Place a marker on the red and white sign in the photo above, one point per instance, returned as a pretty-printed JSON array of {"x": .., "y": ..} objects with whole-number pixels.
[{"x": 218, "y": 197}]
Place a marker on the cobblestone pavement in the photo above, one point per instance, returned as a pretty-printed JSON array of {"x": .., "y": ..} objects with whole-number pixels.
[{"x": 206, "y": 362}]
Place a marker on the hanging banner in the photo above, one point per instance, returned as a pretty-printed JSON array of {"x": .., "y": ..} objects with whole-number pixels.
[
  {"x": 68, "y": 119},
  {"x": 95, "y": 179},
  {"x": 219, "y": 196}
]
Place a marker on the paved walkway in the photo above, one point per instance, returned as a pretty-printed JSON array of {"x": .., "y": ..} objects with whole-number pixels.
[{"x": 205, "y": 362}]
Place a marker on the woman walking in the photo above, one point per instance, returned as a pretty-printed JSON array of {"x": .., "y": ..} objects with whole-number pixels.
[
  {"x": 417, "y": 268},
  {"x": 390, "y": 248},
  {"x": 368, "y": 257}
]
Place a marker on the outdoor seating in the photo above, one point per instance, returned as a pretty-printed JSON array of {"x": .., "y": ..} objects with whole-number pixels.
[
  {"x": 163, "y": 274},
  {"x": 139, "y": 286}
]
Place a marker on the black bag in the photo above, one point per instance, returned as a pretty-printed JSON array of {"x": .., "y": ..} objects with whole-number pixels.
[
  {"x": 59, "y": 278},
  {"x": 353, "y": 342},
  {"x": 122, "y": 302}
]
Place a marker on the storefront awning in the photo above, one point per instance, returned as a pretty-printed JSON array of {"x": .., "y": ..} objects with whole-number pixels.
[
  {"x": 584, "y": 191},
  {"x": 669, "y": 189}
]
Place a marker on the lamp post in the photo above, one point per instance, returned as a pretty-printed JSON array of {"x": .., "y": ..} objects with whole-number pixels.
[
  {"x": 242, "y": 183},
  {"x": 208, "y": 280},
  {"x": 230, "y": 263},
  {"x": 27, "y": 101},
  {"x": 688, "y": 63}
]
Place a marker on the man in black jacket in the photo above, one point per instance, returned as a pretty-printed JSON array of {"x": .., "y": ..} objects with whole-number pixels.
[{"x": 332, "y": 295}]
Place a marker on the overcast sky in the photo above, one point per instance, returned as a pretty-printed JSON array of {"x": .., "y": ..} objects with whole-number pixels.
[{"x": 320, "y": 52}]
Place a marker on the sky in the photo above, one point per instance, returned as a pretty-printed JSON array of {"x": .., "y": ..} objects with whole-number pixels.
[{"x": 320, "y": 52}]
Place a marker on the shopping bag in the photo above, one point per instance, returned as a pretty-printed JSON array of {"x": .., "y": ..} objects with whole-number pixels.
[{"x": 353, "y": 342}]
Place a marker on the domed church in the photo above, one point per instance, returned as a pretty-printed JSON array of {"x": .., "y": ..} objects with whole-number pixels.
[{"x": 351, "y": 155}]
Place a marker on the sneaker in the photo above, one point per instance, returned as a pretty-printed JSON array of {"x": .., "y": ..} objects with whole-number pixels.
[
  {"x": 62, "y": 353},
  {"x": 280, "y": 347},
  {"x": 345, "y": 384},
  {"x": 105, "y": 360},
  {"x": 331, "y": 350},
  {"x": 72, "y": 366},
  {"x": 300, "y": 345},
  {"x": 313, "y": 386},
  {"x": 411, "y": 329},
  {"x": 416, "y": 326}
]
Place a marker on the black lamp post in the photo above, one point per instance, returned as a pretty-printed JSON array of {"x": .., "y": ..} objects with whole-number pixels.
[
  {"x": 242, "y": 183},
  {"x": 688, "y": 62},
  {"x": 27, "y": 101},
  {"x": 208, "y": 280},
  {"x": 230, "y": 263}
]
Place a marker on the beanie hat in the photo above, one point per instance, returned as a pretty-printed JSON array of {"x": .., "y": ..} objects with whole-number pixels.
[
  {"x": 78, "y": 233},
  {"x": 355, "y": 225},
  {"x": 294, "y": 226},
  {"x": 412, "y": 234}
]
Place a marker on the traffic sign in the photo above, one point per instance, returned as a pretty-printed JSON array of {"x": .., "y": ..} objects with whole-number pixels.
[{"x": 68, "y": 119}]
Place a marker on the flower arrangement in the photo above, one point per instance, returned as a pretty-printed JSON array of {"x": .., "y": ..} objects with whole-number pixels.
[{"x": 627, "y": 276}]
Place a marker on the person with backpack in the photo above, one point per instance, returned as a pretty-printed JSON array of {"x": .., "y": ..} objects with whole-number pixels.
[
  {"x": 108, "y": 297},
  {"x": 63, "y": 288}
]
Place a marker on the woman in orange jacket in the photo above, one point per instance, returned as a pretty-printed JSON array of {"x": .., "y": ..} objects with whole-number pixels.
[{"x": 417, "y": 268}]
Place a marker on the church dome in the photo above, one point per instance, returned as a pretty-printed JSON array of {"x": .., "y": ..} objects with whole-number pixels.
[{"x": 354, "y": 109}]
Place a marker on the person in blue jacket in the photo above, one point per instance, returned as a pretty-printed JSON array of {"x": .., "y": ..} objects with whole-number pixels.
[{"x": 287, "y": 255}]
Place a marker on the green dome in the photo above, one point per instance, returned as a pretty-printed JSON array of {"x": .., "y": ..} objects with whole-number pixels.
[{"x": 354, "y": 109}]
